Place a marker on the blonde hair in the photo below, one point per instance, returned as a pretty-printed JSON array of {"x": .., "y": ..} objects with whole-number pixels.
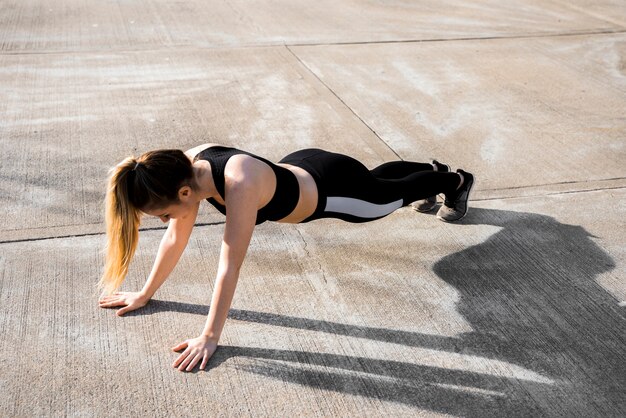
[
  {"x": 149, "y": 182},
  {"x": 122, "y": 226}
]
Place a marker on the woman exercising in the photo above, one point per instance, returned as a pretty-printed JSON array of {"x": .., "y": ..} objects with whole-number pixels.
[{"x": 306, "y": 185}]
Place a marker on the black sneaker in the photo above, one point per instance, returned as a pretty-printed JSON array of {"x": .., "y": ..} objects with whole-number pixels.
[
  {"x": 428, "y": 204},
  {"x": 455, "y": 207}
]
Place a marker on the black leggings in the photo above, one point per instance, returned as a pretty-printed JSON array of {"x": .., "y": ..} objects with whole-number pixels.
[{"x": 347, "y": 190}]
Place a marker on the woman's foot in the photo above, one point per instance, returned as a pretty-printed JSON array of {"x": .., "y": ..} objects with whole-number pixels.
[
  {"x": 454, "y": 207},
  {"x": 428, "y": 204}
]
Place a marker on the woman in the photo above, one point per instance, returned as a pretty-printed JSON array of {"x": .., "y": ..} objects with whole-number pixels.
[{"x": 306, "y": 185}]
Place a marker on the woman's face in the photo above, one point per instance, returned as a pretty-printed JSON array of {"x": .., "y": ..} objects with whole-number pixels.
[
  {"x": 174, "y": 211},
  {"x": 177, "y": 210}
]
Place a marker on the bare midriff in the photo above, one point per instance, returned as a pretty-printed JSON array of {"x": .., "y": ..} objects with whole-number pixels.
[{"x": 307, "y": 202}]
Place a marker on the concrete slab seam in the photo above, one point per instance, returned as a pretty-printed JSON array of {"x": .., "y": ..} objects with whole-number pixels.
[
  {"x": 163, "y": 228},
  {"x": 556, "y": 184},
  {"x": 92, "y": 234},
  {"x": 191, "y": 47},
  {"x": 479, "y": 38},
  {"x": 342, "y": 101},
  {"x": 486, "y": 199}
]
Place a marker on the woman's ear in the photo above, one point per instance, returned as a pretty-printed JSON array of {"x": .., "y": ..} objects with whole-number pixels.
[{"x": 184, "y": 193}]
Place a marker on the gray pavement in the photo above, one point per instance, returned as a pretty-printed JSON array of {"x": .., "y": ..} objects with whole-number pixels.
[{"x": 518, "y": 310}]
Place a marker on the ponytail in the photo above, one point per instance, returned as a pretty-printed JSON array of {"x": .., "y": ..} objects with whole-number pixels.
[
  {"x": 122, "y": 226},
  {"x": 148, "y": 182}
]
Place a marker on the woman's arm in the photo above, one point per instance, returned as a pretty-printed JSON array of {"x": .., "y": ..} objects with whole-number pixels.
[
  {"x": 172, "y": 245},
  {"x": 242, "y": 197},
  {"x": 170, "y": 249}
]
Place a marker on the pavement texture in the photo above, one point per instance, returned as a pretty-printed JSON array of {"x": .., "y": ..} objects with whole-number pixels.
[{"x": 518, "y": 310}]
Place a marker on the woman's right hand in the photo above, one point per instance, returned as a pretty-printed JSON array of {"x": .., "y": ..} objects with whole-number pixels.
[{"x": 129, "y": 300}]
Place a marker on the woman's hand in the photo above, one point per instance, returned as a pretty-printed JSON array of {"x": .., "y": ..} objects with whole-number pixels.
[
  {"x": 129, "y": 300},
  {"x": 196, "y": 349}
]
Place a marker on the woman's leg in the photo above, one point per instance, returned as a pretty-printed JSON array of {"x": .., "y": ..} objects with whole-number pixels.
[
  {"x": 349, "y": 191},
  {"x": 399, "y": 169},
  {"x": 419, "y": 185}
]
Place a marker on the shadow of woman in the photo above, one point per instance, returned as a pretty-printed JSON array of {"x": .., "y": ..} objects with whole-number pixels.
[
  {"x": 440, "y": 389},
  {"x": 530, "y": 295}
]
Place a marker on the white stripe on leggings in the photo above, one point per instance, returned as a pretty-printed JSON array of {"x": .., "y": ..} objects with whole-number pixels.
[{"x": 360, "y": 208}]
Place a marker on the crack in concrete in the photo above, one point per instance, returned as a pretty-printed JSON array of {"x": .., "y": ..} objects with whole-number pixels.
[{"x": 308, "y": 253}]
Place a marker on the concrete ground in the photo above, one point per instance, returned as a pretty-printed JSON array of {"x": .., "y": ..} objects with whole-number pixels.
[{"x": 518, "y": 310}]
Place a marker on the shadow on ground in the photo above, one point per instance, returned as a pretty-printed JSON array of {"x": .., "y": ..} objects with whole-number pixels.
[{"x": 530, "y": 295}]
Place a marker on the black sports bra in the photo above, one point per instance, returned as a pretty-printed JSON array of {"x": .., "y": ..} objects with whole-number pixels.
[{"x": 285, "y": 197}]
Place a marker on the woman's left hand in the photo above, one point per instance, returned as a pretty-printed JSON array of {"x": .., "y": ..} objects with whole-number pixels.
[{"x": 196, "y": 349}]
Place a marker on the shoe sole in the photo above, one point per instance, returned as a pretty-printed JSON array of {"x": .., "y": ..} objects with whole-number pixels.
[
  {"x": 435, "y": 205},
  {"x": 424, "y": 210},
  {"x": 469, "y": 194}
]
